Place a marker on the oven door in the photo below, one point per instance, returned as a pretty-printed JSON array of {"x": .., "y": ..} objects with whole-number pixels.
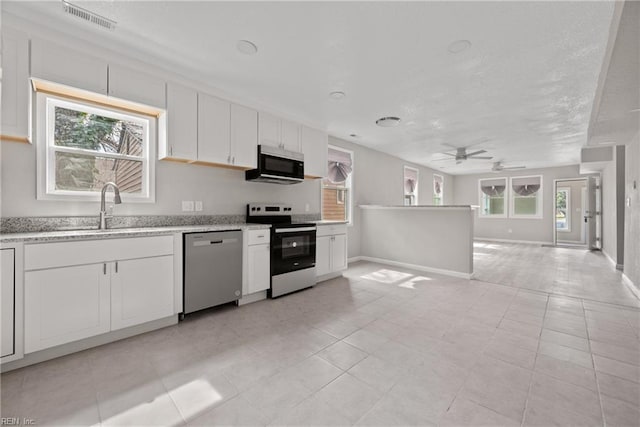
[{"x": 292, "y": 249}]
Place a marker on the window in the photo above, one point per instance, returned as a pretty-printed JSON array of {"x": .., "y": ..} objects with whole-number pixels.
[
  {"x": 337, "y": 196},
  {"x": 438, "y": 189},
  {"x": 526, "y": 201},
  {"x": 563, "y": 216},
  {"x": 492, "y": 197},
  {"x": 82, "y": 146},
  {"x": 410, "y": 186}
]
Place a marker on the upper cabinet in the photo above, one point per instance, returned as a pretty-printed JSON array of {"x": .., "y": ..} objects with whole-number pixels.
[
  {"x": 214, "y": 126},
  {"x": 182, "y": 123},
  {"x": 73, "y": 68},
  {"x": 244, "y": 136},
  {"x": 278, "y": 132},
  {"x": 132, "y": 85},
  {"x": 314, "y": 145},
  {"x": 15, "y": 86}
]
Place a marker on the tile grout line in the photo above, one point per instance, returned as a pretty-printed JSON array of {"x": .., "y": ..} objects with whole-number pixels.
[
  {"x": 535, "y": 361},
  {"x": 595, "y": 372}
]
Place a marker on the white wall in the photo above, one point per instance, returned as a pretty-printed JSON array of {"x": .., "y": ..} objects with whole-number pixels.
[
  {"x": 575, "y": 235},
  {"x": 223, "y": 191},
  {"x": 613, "y": 207},
  {"x": 378, "y": 179},
  {"x": 465, "y": 192},
  {"x": 632, "y": 212}
]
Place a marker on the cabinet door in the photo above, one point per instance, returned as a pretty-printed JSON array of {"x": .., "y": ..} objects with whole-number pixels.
[
  {"x": 290, "y": 135},
  {"x": 15, "y": 85},
  {"x": 269, "y": 130},
  {"x": 141, "y": 290},
  {"x": 182, "y": 122},
  {"x": 244, "y": 136},
  {"x": 7, "y": 298},
  {"x": 314, "y": 145},
  {"x": 259, "y": 273},
  {"x": 323, "y": 255},
  {"x": 339, "y": 252},
  {"x": 132, "y": 85},
  {"x": 214, "y": 126},
  {"x": 60, "y": 64},
  {"x": 65, "y": 304}
]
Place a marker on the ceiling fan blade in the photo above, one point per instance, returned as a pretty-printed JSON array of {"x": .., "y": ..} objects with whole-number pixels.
[
  {"x": 480, "y": 157},
  {"x": 449, "y": 154},
  {"x": 458, "y": 162},
  {"x": 476, "y": 152},
  {"x": 514, "y": 167},
  {"x": 441, "y": 160}
]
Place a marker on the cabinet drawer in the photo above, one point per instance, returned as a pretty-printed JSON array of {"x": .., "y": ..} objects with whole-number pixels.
[
  {"x": 258, "y": 237},
  {"x": 60, "y": 254},
  {"x": 331, "y": 230}
]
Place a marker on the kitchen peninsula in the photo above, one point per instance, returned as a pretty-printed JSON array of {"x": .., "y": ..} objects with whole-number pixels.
[{"x": 437, "y": 239}]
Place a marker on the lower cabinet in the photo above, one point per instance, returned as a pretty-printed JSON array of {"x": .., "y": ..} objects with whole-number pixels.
[
  {"x": 65, "y": 302},
  {"x": 257, "y": 261},
  {"x": 7, "y": 301},
  {"x": 331, "y": 249},
  {"x": 132, "y": 284}
]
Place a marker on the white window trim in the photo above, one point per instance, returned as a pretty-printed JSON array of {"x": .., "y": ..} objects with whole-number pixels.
[
  {"x": 503, "y": 215},
  {"x": 539, "y": 199},
  {"x": 45, "y": 153},
  {"x": 415, "y": 192},
  {"x": 349, "y": 193},
  {"x": 569, "y": 211}
]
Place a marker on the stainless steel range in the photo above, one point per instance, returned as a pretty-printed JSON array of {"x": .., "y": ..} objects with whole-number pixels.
[{"x": 293, "y": 247}]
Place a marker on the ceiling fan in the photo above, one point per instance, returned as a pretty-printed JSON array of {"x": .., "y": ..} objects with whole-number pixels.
[
  {"x": 498, "y": 167},
  {"x": 462, "y": 155}
]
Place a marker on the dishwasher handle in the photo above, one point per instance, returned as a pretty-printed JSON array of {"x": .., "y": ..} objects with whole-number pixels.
[{"x": 214, "y": 242}]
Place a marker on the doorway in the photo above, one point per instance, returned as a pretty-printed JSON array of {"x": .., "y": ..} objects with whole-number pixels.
[{"x": 572, "y": 215}]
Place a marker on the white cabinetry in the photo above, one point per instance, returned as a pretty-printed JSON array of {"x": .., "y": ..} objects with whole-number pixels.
[
  {"x": 278, "y": 132},
  {"x": 75, "y": 290},
  {"x": 7, "y": 301},
  {"x": 214, "y": 127},
  {"x": 132, "y": 85},
  {"x": 244, "y": 136},
  {"x": 331, "y": 250},
  {"x": 314, "y": 145},
  {"x": 15, "y": 86},
  {"x": 182, "y": 123},
  {"x": 70, "y": 67},
  {"x": 257, "y": 267}
]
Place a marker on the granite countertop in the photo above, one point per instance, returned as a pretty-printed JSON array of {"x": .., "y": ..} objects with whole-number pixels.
[{"x": 92, "y": 233}]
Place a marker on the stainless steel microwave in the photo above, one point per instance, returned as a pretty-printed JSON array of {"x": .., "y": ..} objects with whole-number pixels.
[{"x": 278, "y": 166}]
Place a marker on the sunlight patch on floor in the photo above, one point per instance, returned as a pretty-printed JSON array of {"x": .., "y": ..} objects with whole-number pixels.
[{"x": 386, "y": 276}]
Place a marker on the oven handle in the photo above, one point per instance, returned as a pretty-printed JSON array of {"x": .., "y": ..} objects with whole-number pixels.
[{"x": 289, "y": 230}]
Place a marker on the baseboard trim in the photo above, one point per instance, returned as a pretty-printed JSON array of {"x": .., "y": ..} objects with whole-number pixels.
[
  {"x": 251, "y": 298},
  {"x": 630, "y": 285},
  {"x": 354, "y": 259},
  {"x": 532, "y": 242},
  {"x": 418, "y": 267}
]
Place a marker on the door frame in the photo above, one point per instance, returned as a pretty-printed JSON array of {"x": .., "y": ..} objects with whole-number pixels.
[{"x": 555, "y": 206}]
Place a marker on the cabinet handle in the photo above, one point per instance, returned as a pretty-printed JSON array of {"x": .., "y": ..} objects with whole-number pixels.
[
  {"x": 233, "y": 160},
  {"x": 116, "y": 266},
  {"x": 171, "y": 150},
  {"x": 228, "y": 159},
  {"x": 104, "y": 268}
]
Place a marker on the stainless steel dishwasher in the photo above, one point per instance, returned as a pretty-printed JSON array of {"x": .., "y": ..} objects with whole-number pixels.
[{"x": 212, "y": 269}]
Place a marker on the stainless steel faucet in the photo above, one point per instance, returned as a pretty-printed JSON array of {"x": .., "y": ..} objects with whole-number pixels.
[{"x": 103, "y": 209}]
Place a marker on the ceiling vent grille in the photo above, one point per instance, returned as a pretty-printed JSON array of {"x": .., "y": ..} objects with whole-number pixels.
[{"x": 88, "y": 16}]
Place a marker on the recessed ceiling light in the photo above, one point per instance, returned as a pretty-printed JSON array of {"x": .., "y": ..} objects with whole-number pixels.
[
  {"x": 337, "y": 94},
  {"x": 459, "y": 46},
  {"x": 247, "y": 47},
  {"x": 388, "y": 122}
]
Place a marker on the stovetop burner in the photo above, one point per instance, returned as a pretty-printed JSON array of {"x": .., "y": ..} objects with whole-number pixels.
[{"x": 272, "y": 213}]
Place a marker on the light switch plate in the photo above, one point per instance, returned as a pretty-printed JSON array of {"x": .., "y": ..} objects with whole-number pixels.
[
  {"x": 198, "y": 205},
  {"x": 187, "y": 206}
]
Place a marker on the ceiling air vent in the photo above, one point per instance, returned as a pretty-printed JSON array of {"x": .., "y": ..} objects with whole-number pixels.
[{"x": 88, "y": 16}]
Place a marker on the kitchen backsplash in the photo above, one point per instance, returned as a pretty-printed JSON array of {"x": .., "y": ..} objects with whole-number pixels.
[{"x": 52, "y": 223}]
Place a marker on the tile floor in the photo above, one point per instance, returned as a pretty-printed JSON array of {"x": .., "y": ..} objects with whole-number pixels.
[{"x": 381, "y": 346}]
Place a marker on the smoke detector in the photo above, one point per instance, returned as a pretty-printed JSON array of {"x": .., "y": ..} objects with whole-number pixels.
[
  {"x": 88, "y": 16},
  {"x": 388, "y": 122}
]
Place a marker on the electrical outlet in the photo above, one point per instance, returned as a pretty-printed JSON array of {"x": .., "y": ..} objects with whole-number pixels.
[
  {"x": 306, "y": 207},
  {"x": 187, "y": 206},
  {"x": 198, "y": 205}
]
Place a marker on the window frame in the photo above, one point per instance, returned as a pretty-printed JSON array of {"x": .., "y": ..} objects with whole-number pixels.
[
  {"x": 441, "y": 189},
  {"x": 349, "y": 187},
  {"x": 413, "y": 197},
  {"x": 481, "y": 195},
  {"x": 46, "y": 149},
  {"x": 566, "y": 190},
  {"x": 539, "y": 199}
]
